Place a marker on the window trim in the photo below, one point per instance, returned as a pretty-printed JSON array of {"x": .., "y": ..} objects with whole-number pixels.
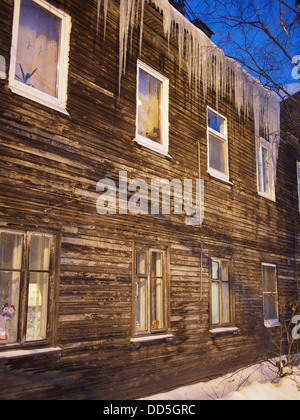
[
  {"x": 230, "y": 326},
  {"x": 157, "y": 333},
  {"x": 271, "y": 195},
  {"x": 224, "y": 137},
  {"x": 58, "y": 103},
  {"x": 53, "y": 289},
  {"x": 144, "y": 141},
  {"x": 270, "y": 323}
]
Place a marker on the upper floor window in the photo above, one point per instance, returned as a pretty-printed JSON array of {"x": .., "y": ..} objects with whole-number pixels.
[
  {"x": 26, "y": 278},
  {"x": 298, "y": 177},
  {"x": 218, "y": 164},
  {"x": 265, "y": 169},
  {"x": 39, "y": 53},
  {"x": 152, "y": 125},
  {"x": 2, "y": 67}
]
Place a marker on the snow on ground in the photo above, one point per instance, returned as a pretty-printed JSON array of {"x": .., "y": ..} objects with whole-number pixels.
[
  {"x": 285, "y": 389},
  {"x": 254, "y": 383}
]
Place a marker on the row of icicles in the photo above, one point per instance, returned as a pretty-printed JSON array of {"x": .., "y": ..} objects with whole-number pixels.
[{"x": 206, "y": 63}]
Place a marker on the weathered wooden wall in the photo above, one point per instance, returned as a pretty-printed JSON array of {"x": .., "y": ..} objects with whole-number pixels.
[{"x": 50, "y": 165}]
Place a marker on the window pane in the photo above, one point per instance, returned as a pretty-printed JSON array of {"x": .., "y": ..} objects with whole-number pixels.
[
  {"x": 157, "y": 264},
  {"x": 39, "y": 253},
  {"x": 141, "y": 322},
  {"x": 37, "y": 307},
  {"x": 9, "y": 306},
  {"x": 10, "y": 251},
  {"x": 270, "y": 306},
  {"x": 269, "y": 279},
  {"x": 265, "y": 170},
  {"x": 259, "y": 169},
  {"x": 298, "y": 174},
  {"x": 141, "y": 262},
  {"x": 225, "y": 271},
  {"x": 38, "y": 48},
  {"x": 217, "y": 153},
  {"x": 215, "y": 304},
  {"x": 157, "y": 304},
  {"x": 149, "y": 107},
  {"x": 215, "y": 270},
  {"x": 216, "y": 122},
  {"x": 225, "y": 303}
]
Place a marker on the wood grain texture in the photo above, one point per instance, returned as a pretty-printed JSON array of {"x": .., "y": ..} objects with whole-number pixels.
[{"x": 49, "y": 166}]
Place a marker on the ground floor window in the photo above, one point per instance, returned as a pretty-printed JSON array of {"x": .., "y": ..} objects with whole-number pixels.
[
  {"x": 150, "y": 291},
  {"x": 270, "y": 294},
  {"x": 221, "y": 293},
  {"x": 26, "y": 275}
]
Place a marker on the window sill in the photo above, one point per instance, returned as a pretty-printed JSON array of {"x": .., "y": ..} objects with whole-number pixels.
[
  {"x": 267, "y": 197},
  {"x": 216, "y": 332},
  {"x": 220, "y": 177},
  {"x": 35, "y": 98},
  {"x": 150, "y": 339},
  {"x": 149, "y": 148},
  {"x": 272, "y": 323},
  {"x": 19, "y": 354}
]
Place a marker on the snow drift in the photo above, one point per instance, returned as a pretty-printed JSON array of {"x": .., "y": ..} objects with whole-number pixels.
[{"x": 207, "y": 65}]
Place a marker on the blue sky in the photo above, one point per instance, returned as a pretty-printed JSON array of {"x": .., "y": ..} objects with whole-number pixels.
[{"x": 248, "y": 42}]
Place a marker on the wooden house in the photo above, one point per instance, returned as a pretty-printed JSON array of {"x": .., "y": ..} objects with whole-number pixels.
[{"x": 107, "y": 289}]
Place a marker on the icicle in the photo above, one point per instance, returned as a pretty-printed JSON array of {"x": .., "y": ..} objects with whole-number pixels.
[
  {"x": 105, "y": 6},
  {"x": 98, "y": 14},
  {"x": 142, "y": 26},
  {"x": 105, "y": 15},
  {"x": 206, "y": 63},
  {"x": 127, "y": 8}
]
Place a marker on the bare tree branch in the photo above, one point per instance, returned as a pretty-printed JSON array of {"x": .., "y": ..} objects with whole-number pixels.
[{"x": 263, "y": 36}]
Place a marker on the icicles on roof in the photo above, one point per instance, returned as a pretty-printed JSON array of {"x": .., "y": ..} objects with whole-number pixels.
[
  {"x": 129, "y": 17},
  {"x": 206, "y": 63}
]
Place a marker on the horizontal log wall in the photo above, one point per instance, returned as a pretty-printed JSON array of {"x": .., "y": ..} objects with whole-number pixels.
[{"x": 50, "y": 165}]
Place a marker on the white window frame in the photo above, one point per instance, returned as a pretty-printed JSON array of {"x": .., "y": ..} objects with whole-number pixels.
[
  {"x": 143, "y": 141},
  {"x": 262, "y": 143},
  {"x": 29, "y": 92},
  {"x": 224, "y": 137},
  {"x": 270, "y": 323},
  {"x": 298, "y": 183},
  {"x": 22, "y": 341}
]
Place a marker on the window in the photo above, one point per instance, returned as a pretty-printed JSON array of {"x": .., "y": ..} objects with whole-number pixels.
[
  {"x": 26, "y": 273},
  {"x": 218, "y": 165},
  {"x": 2, "y": 67},
  {"x": 265, "y": 174},
  {"x": 270, "y": 295},
  {"x": 298, "y": 177},
  {"x": 39, "y": 53},
  {"x": 152, "y": 129},
  {"x": 221, "y": 306},
  {"x": 150, "y": 291}
]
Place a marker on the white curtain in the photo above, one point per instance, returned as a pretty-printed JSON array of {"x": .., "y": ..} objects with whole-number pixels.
[
  {"x": 38, "y": 288},
  {"x": 38, "y": 48},
  {"x": 10, "y": 275}
]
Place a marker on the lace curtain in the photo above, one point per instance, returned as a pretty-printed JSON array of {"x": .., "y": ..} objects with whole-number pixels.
[
  {"x": 38, "y": 48},
  {"x": 10, "y": 276}
]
